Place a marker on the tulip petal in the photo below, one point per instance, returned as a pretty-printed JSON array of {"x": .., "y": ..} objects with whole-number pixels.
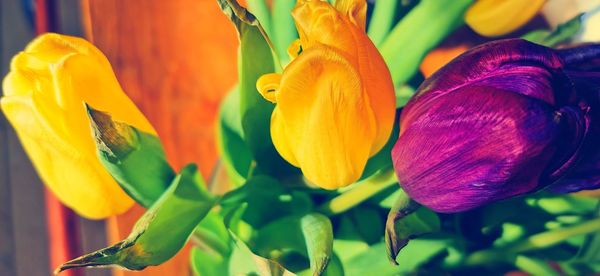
[
  {"x": 44, "y": 96},
  {"x": 294, "y": 49},
  {"x": 320, "y": 103},
  {"x": 278, "y": 129},
  {"x": 317, "y": 21},
  {"x": 474, "y": 147},
  {"x": 267, "y": 85},
  {"x": 52, "y": 47},
  {"x": 514, "y": 65},
  {"x": 97, "y": 86},
  {"x": 355, "y": 10},
  {"x": 496, "y": 18},
  {"x": 84, "y": 187}
]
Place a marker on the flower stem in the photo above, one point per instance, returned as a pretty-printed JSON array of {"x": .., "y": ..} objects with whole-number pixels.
[
  {"x": 423, "y": 28},
  {"x": 363, "y": 191},
  {"x": 537, "y": 241}
]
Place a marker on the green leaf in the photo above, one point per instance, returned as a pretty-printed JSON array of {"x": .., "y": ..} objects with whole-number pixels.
[
  {"x": 233, "y": 150},
  {"x": 284, "y": 30},
  {"x": 208, "y": 263},
  {"x": 413, "y": 256},
  {"x": 534, "y": 242},
  {"x": 212, "y": 234},
  {"x": 561, "y": 34},
  {"x": 335, "y": 268},
  {"x": 348, "y": 242},
  {"x": 423, "y": 28},
  {"x": 245, "y": 262},
  {"x": 213, "y": 246},
  {"x": 135, "y": 159},
  {"x": 310, "y": 235},
  {"x": 534, "y": 266},
  {"x": 405, "y": 222},
  {"x": 267, "y": 200},
  {"x": 262, "y": 12},
  {"x": 318, "y": 234},
  {"x": 368, "y": 223},
  {"x": 382, "y": 20},
  {"x": 360, "y": 192},
  {"x": 590, "y": 251},
  {"x": 255, "y": 59},
  {"x": 403, "y": 95},
  {"x": 564, "y": 204},
  {"x": 162, "y": 231}
]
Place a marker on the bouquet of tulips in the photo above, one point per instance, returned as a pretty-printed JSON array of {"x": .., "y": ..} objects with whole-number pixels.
[{"x": 341, "y": 158}]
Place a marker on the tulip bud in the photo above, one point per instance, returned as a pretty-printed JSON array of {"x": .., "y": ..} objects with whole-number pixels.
[
  {"x": 335, "y": 101},
  {"x": 504, "y": 119},
  {"x": 496, "y": 18},
  {"x": 44, "y": 95}
]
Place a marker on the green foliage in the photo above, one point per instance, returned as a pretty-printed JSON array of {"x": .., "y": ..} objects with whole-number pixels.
[
  {"x": 284, "y": 32},
  {"x": 233, "y": 150},
  {"x": 162, "y": 231},
  {"x": 135, "y": 159},
  {"x": 274, "y": 223},
  {"x": 255, "y": 59},
  {"x": 423, "y": 28},
  {"x": 552, "y": 38},
  {"x": 382, "y": 20}
]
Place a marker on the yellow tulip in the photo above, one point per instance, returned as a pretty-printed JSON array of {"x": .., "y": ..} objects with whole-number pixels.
[
  {"x": 499, "y": 17},
  {"x": 44, "y": 95},
  {"x": 335, "y": 101}
]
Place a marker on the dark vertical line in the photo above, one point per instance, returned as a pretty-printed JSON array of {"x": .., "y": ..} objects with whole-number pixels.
[
  {"x": 7, "y": 239},
  {"x": 25, "y": 196},
  {"x": 46, "y": 17}
]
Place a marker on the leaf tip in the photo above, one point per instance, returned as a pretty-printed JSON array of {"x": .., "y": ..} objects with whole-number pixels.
[{"x": 114, "y": 139}]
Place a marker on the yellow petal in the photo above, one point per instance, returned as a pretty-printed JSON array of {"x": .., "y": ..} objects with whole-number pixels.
[
  {"x": 319, "y": 23},
  {"x": 53, "y": 47},
  {"x": 323, "y": 119},
  {"x": 267, "y": 85},
  {"x": 77, "y": 179},
  {"x": 281, "y": 139},
  {"x": 44, "y": 100},
  {"x": 496, "y": 18},
  {"x": 356, "y": 10},
  {"x": 294, "y": 49}
]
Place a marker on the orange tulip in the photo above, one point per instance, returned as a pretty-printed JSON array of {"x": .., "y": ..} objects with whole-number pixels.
[{"x": 335, "y": 101}]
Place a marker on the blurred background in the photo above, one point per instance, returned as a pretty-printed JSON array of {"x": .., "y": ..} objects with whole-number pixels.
[{"x": 176, "y": 60}]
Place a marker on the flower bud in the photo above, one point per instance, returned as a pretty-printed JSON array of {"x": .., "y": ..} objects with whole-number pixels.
[
  {"x": 44, "y": 95},
  {"x": 496, "y": 18},
  {"x": 335, "y": 101},
  {"x": 504, "y": 119}
]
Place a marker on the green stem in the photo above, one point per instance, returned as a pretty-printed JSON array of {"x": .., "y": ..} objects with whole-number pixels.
[
  {"x": 534, "y": 266},
  {"x": 283, "y": 28},
  {"x": 260, "y": 9},
  {"x": 537, "y": 241},
  {"x": 382, "y": 20},
  {"x": 423, "y": 28},
  {"x": 363, "y": 191}
]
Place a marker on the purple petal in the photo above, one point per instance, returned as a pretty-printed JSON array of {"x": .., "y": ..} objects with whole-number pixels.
[{"x": 470, "y": 148}]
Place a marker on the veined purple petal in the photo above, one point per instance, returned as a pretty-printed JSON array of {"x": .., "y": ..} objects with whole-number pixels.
[
  {"x": 505, "y": 118},
  {"x": 470, "y": 148}
]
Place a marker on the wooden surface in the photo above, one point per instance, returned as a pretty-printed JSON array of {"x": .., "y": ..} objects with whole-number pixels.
[{"x": 176, "y": 60}]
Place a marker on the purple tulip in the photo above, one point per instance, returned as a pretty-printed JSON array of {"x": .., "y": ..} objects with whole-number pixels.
[{"x": 506, "y": 118}]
